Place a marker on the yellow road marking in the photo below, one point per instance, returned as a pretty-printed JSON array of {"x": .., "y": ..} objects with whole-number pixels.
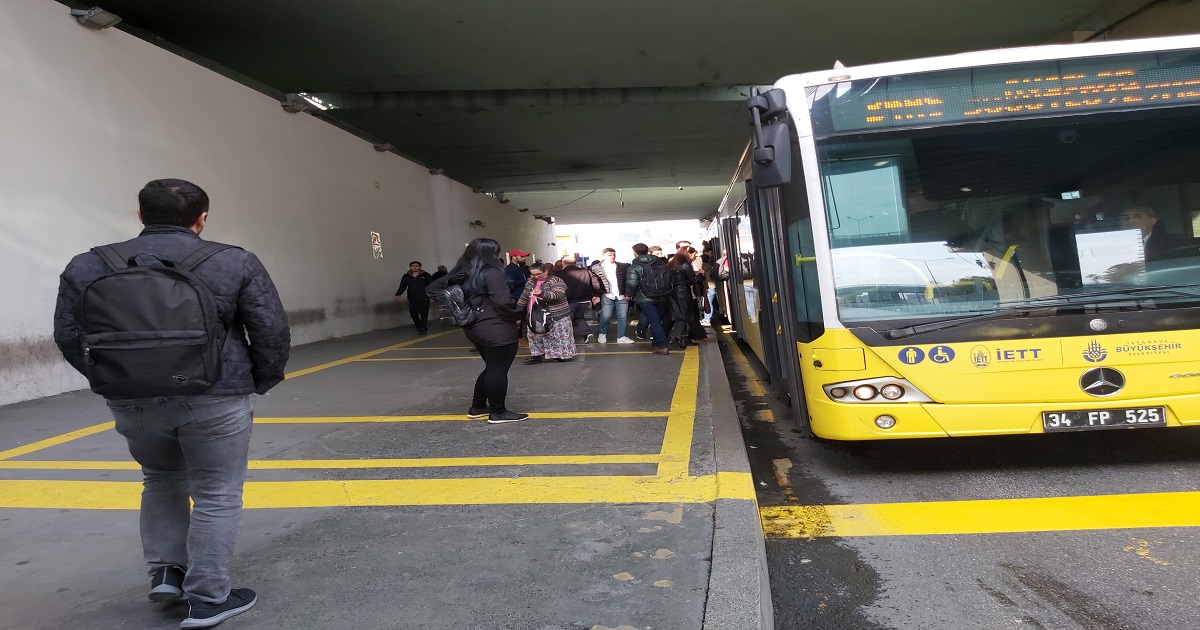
[
  {"x": 677, "y": 438},
  {"x": 475, "y": 357},
  {"x": 550, "y": 415},
  {"x": 55, "y": 441},
  {"x": 414, "y": 462},
  {"x": 1161, "y": 509},
  {"x": 410, "y": 348},
  {"x": 92, "y": 430},
  {"x": 365, "y": 355},
  {"x": 126, "y": 495}
]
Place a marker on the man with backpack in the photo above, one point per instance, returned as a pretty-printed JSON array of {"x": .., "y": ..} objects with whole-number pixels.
[
  {"x": 178, "y": 334},
  {"x": 648, "y": 283}
]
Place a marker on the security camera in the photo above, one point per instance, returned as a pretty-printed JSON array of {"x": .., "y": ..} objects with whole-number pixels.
[
  {"x": 681, "y": 188},
  {"x": 1067, "y": 136}
]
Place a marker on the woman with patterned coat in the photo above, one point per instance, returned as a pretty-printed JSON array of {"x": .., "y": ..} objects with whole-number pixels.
[{"x": 558, "y": 342}]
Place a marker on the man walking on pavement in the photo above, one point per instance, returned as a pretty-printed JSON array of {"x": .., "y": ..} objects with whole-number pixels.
[
  {"x": 416, "y": 282},
  {"x": 185, "y": 410},
  {"x": 583, "y": 290},
  {"x": 612, "y": 275}
]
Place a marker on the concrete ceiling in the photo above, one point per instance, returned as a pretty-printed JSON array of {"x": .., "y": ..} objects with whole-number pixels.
[{"x": 546, "y": 100}]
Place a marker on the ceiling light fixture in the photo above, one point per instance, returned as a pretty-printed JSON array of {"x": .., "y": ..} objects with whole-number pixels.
[{"x": 95, "y": 18}]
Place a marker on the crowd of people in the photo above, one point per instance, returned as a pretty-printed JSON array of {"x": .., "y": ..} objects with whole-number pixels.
[{"x": 545, "y": 307}]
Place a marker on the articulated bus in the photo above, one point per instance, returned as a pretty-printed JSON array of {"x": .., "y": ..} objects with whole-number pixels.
[{"x": 999, "y": 242}]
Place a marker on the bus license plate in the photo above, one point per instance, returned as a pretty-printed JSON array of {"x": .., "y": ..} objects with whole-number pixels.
[{"x": 1127, "y": 417}]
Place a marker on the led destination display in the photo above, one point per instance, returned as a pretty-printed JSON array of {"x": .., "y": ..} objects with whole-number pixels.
[{"x": 1050, "y": 88}]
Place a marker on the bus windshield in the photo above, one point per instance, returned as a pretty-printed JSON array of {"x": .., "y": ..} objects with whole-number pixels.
[{"x": 934, "y": 223}]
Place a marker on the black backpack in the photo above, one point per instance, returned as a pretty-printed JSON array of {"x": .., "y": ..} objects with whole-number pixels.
[
  {"x": 150, "y": 326},
  {"x": 657, "y": 281},
  {"x": 454, "y": 307}
]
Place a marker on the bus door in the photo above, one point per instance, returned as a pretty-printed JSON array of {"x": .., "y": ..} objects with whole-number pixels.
[
  {"x": 783, "y": 258},
  {"x": 733, "y": 302},
  {"x": 780, "y": 190},
  {"x": 765, "y": 271}
]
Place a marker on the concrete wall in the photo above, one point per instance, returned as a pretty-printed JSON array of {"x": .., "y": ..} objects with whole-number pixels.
[
  {"x": 1172, "y": 17},
  {"x": 89, "y": 116}
]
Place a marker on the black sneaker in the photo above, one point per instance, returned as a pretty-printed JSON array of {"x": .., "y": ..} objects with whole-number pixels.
[
  {"x": 166, "y": 585},
  {"x": 206, "y": 615},
  {"x": 532, "y": 360},
  {"x": 506, "y": 417},
  {"x": 640, "y": 335},
  {"x": 478, "y": 413}
]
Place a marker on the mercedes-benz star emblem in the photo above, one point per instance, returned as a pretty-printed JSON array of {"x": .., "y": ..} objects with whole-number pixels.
[{"x": 1103, "y": 381}]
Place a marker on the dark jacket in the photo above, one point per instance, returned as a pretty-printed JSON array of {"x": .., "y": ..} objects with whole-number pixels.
[
  {"x": 633, "y": 279},
  {"x": 554, "y": 296},
  {"x": 496, "y": 324},
  {"x": 516, "y": 275},
  {"x": 1163, "y": 245},
  {"x": 416, "y": 285},
  {"x": 681, "y": 304},
  {"x": 259, "y": 340},
  {"x": 597, "y": 269},
  {"x": 582, "y": 285},
  {"x": 438, "y": 274}
]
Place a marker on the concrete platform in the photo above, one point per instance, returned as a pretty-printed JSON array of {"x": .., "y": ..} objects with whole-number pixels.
[{"x": 625, "y": 501}]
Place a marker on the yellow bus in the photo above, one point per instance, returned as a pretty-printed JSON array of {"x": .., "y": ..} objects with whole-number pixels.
[{"x": 998, "y": 242}]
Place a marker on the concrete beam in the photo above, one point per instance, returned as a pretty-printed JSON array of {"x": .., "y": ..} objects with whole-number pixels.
[{"x": 517, "y": 98}]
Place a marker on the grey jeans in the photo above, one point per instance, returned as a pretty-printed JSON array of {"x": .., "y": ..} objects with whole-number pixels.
[{"x": 190, "y": 447}]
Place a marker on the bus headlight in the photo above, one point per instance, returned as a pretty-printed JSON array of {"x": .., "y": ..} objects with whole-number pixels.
[
  {"x": 865, "y": 392},
  {"x": 885, "y": 422},
  {"x": 885, "y": 389}
]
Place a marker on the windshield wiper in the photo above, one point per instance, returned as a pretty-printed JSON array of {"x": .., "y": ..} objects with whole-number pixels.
[
  {"x": 1048, "y": 305},
  {"x": 1137, "y": 295},
  {"x": 943, "y": 324}
]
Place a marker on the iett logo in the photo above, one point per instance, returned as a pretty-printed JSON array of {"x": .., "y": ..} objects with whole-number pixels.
[{"x": 981, "y": 356}]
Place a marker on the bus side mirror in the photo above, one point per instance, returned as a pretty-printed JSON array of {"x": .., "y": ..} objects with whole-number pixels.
[{"x": 771, "y": 150}]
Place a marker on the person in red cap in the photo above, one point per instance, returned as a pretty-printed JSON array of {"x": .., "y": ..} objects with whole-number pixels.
[{"x": 517, "y": 272}]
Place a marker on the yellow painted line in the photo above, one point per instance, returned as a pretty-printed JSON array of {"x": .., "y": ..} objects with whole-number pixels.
[
  {"x": 753, "y": 385},
  {"x": 677, "y": 438},
  {"x": 365, "y": 355},
  {"x": 410, "y": 348},
  {"x": 473, "y": 357},
  {"x": 126, "y": 495},
  {"x": 476, "y": 357},
  {"x": 548, "y": 415},
  {"x": 92, "y": 430},
  {"x": 991, "y": 516},
  {"x": 415, "y": 462},
  {"x": 55, "y": 441}
]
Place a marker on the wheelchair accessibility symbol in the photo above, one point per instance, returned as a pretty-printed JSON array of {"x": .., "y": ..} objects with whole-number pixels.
[
  {"x": 911, "y": 355},
  {"x": 941, "y": 354}
]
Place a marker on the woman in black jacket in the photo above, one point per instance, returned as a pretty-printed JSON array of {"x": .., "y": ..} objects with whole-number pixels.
[
  {"x": 681, "y": 304},
  {"x": 494, "y": 331}
]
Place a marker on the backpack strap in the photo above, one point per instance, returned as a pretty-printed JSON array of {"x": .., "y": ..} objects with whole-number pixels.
[
  {"x": 202, "y": 252},
  {"x": 116, "y": 256}
]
